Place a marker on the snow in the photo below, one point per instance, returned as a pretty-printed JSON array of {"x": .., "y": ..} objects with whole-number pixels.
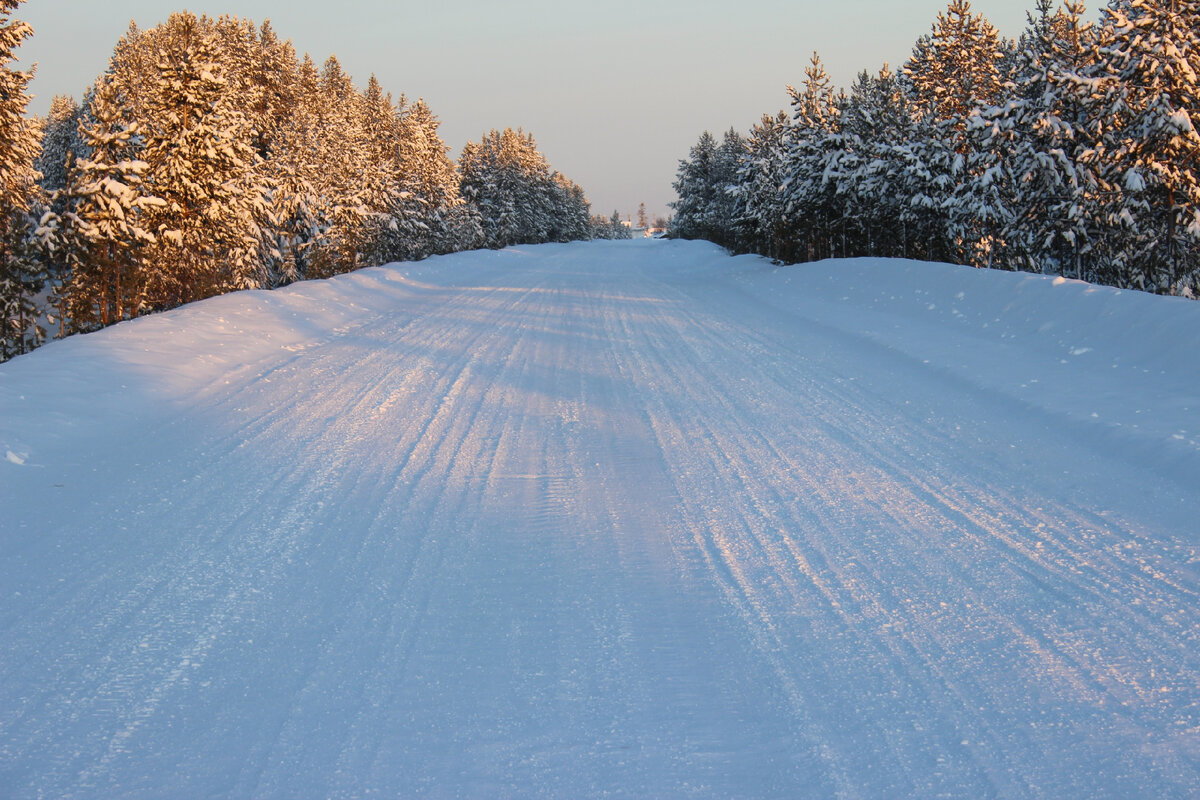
[
  {"x": 633, "y": 519},
  {"x": 1134, "y": 182}
]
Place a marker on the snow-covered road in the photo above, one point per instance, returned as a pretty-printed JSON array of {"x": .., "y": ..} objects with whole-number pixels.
[{"x": 624, "y": 519}]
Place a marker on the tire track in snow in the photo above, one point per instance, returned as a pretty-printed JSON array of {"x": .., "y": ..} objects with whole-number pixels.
[
  {"x": 563, "y": 529},
  {"x": 316, "y": 462},
  {"x": 651, "y": 335},
  {"x": 469, "y": 418},
  {"x": 1061, "y": 549},
  {"x": 429, "y": 459},
  {"x": 913, "y": 504}
]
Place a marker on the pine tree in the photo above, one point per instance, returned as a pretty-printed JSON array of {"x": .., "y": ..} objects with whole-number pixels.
[
  {"x": 956, "y": 67},
  {"x": 345, "y": 211},
  {"x": 810, "y": 201},
  {"x": 955, "y": 70},
  {"x": 1037, "y": 143},
  {"x": 262, "y": 74},
  {"x": 292, "y": 172},
  {"x": 723, "y": 215},
  {"x": 570, "y": 218},
  {"x": 394, "y": 216},
  {"x": 179, "y": 85},
  {"x": 1073, "y": 151},
  {"x": 874, "y": 125},
  {"x": 1151, "y": 61},
  {"x": 511, "y": 184},
  {"x": 21, "y": 275},
  {"x": 197, "y": 145},
  {"x": 429, "y": 177},
  {"x": 105, "y": 222},
  {"x": 207, "y": 159},
  {"x": 601, "y": 227},
  {"x": 478, "y": 187}
]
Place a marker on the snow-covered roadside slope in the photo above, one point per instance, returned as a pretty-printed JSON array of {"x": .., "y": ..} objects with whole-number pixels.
[
  {"x": 629, "y": 519},
  {"x": 1120, "y": 366},
  {"x": 157, "y": 364}
]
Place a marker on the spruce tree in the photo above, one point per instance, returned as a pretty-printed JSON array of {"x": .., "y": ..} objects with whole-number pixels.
[
  {"x": 760, "y": 213},
  {"x": 60, "y": 142},
  {"x": 693, "y": 188}
]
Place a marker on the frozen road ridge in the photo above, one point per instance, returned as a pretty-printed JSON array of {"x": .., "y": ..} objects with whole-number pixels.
[{"x": 613, "y": 519}]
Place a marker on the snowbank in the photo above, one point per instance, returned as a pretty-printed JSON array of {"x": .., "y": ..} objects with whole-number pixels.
[{"x": 1118, "y": 365}]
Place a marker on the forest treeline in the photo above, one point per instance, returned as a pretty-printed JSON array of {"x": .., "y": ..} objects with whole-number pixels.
[
  {"x": 1071, "y": 151},
  {"x": 210, "y": 158}
]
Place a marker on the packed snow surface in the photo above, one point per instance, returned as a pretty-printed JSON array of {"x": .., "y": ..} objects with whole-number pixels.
[{"x": 632, "y": 519}]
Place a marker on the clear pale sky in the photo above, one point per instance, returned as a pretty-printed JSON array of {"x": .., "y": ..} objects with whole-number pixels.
[{"x": 615, "y": 92}]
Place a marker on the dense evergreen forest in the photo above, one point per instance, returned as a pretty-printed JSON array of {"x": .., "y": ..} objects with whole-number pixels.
[
  {"x": 210, "y": 158},
  {"x": 1071, "y": 151}
]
